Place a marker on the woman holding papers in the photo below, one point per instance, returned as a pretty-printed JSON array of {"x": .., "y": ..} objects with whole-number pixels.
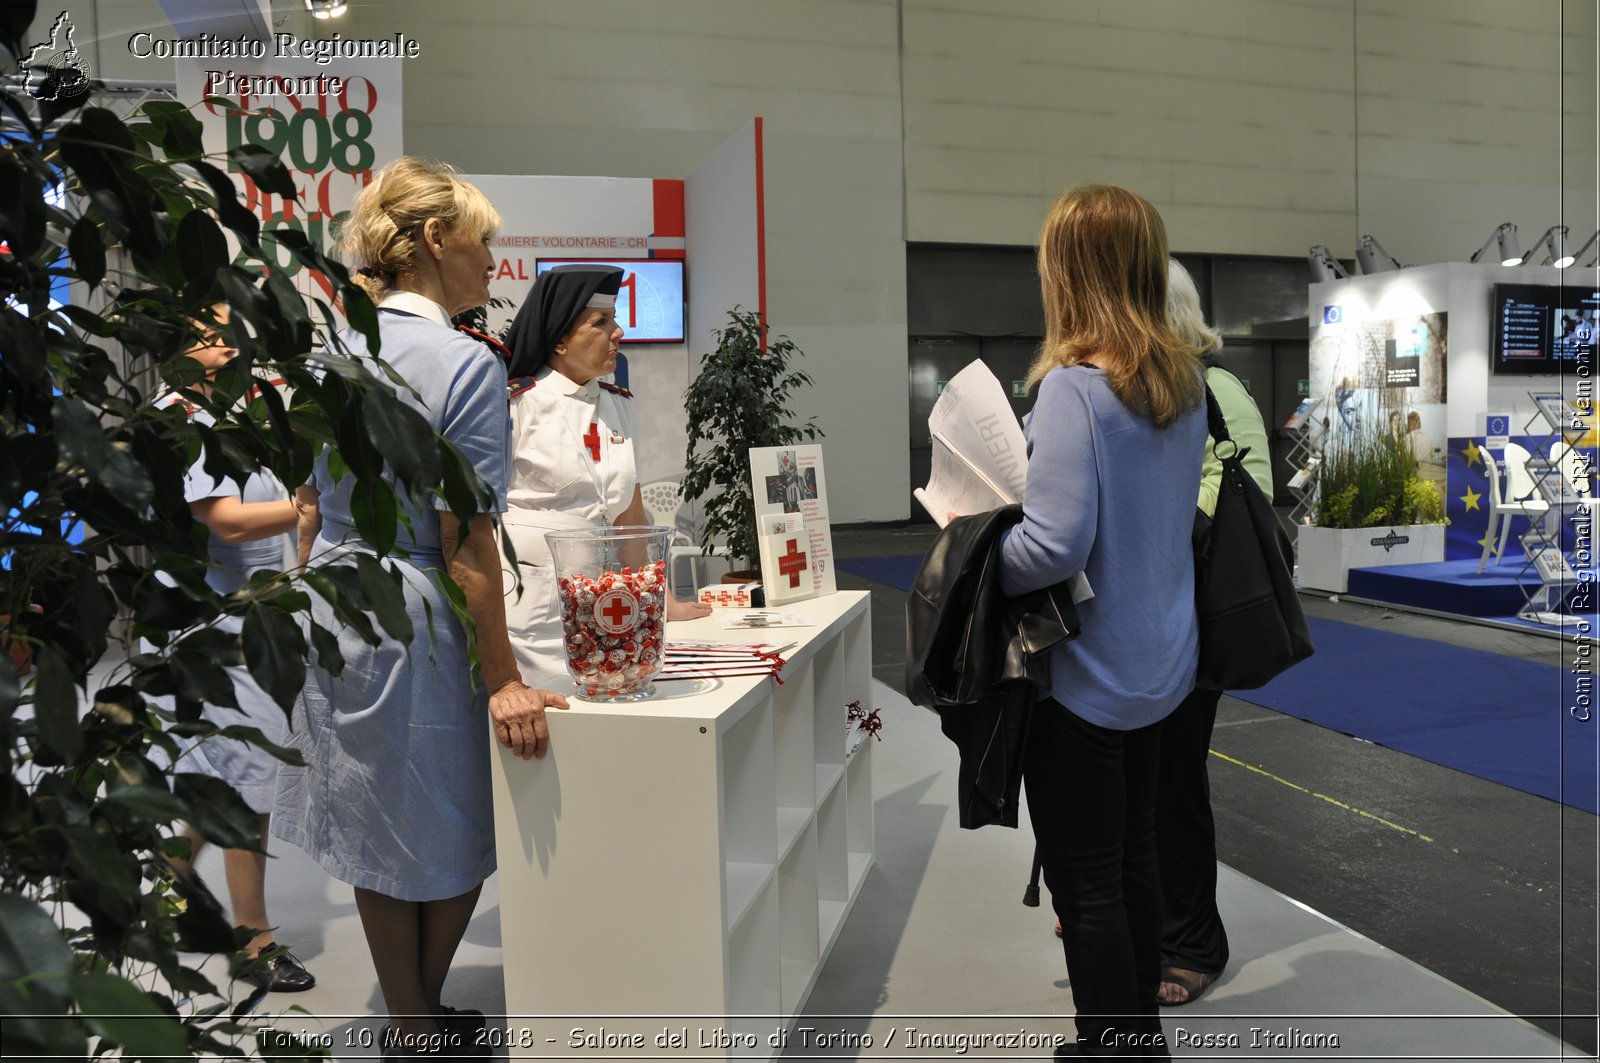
[
  {"x": 572, "y": 458},
  {"x": 1194, "y": 944},
  {"x": 1111, "y": 485}
]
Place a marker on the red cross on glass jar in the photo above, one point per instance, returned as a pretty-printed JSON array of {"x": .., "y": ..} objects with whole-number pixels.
[{"x": 614, "y": 611}]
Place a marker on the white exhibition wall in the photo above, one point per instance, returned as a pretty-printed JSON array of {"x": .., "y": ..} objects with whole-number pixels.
[
  {"x": 1461, "y": 291},
  {"x": 721, "y": 205}
]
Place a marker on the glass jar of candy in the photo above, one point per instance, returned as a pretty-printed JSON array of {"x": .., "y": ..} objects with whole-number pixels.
[{"x": 612, "y": 583}]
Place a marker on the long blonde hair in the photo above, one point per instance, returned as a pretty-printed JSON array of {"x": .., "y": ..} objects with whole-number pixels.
[
  {"x": 381, "y": 235},
  {"x": 1103, "y": 276}
]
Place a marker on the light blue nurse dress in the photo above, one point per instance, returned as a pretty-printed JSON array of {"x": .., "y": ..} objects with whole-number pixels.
[
  {"x": 248, "y": 768},
  {"x": 394, "y": 796}
]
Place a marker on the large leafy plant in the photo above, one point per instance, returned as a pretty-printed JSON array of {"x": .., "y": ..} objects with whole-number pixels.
[
  {"x": 1370, "y": 480},
  {"x": 135, "y": 216},
  {"x": 738, "y": 401}
]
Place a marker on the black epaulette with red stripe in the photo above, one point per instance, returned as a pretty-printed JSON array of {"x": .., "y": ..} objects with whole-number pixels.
[
  {"x": 518, "y": 385},
  {"x": 614, "y": 389},
  {"x": 483, "y": 337}
]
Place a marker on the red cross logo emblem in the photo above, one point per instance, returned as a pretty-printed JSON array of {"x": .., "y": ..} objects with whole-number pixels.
[
  {"x": 792, "y": 564},
  {"x": 615, "y": 611},
  {"x": 591, "y": 440}
]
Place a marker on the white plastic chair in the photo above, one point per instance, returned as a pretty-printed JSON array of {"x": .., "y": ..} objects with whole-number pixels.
[
  {"x": 1509, "y": 496},
  {"x": 1574, "y": 467},
  {"x": 662, "y": 503}
]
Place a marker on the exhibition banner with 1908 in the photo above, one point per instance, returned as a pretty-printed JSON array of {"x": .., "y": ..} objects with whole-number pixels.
[{"x": 331, "y": 124}]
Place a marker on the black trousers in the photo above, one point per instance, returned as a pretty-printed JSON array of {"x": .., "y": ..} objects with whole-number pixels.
[
  {"x": 1091, "y": 796},
  {"x": 1192, "y": 935}
]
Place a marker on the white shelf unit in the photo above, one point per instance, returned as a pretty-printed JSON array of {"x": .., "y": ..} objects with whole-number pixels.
[{"x": 694, "y": 855}]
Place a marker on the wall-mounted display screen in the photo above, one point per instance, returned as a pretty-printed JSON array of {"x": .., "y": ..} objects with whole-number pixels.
[
  {"x": 650, "y": 302},
  {"x": 1542, "y": 329}
]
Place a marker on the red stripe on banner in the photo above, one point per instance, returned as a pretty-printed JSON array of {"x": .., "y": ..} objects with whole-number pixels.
[
  {"x": 761, "y": 232},
  {"x": 668, "y": 215},
  {"x": 668, "y": 207}
]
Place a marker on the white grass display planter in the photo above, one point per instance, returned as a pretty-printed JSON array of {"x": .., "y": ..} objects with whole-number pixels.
[{"x": 1326, "y": 555}]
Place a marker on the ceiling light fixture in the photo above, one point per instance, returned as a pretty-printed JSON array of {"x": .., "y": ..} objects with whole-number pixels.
[
  {"x": 1324, "y": 267},
  {"x": 1555, "y": 238},
  {"x": 1368, "y": 252},
  {"x": 1588, "y": 245},
  {"x": 326, "y": 8},
  {"x": 1505, "y": 234}
]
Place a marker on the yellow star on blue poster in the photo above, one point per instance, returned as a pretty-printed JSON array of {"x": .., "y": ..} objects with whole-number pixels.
[
  {"x": 1494, "y": 548},
  {"x": 1471, "y": 452},
  {"x": 1470, "y": 499}
]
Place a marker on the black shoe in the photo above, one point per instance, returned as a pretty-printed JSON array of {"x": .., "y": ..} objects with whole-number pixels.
[
  {"x": 463, "y": 1031},
  {"x": 465, "y": 1021},
  {"x": 281, "y": 973}
]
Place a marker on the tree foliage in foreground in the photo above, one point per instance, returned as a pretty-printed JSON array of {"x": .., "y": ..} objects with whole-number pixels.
[{"x": 96, "y": 956}]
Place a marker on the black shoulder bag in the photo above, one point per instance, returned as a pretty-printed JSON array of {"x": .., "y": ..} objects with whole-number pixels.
[{"x": 1251, "y": 624}]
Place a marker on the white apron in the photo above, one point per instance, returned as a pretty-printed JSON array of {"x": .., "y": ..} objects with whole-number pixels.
[{"x": 556, "y": 484}]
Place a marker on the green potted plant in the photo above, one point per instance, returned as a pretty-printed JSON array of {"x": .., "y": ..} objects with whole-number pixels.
[
  {"x": 93, "y": 493},
  {"x": 738, "y": 401},
  {"x": 1372, "y": 509}
]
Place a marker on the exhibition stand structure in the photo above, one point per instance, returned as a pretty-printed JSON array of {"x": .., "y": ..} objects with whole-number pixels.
[
  {"x": 1460, "y": 360},
  {"x": 696, "y": 854},
  {"x": 692, "y": 856}
]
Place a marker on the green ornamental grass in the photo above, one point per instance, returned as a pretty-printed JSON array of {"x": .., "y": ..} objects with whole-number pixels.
[{"x": 1371, "y": 480}]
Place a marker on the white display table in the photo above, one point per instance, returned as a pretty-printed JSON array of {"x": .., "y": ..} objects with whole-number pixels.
[{"x": 694, "y": 855}]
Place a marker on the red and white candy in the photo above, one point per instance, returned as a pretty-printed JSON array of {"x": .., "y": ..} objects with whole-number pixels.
[{"x": 612, "y": 627}]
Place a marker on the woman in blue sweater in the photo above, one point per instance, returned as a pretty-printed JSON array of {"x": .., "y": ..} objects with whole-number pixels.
[{"x": 1112, "y": 481}]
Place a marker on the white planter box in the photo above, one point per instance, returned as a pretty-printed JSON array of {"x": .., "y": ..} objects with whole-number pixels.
[{"x": 1326, "y": 555}]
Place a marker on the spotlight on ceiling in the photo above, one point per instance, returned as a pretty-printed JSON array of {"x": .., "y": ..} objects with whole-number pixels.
[
  {"x": 326, "y": 8},
  {"x": 1373, "y": 257},
  {"x": 1324, "y": 267},
  {"x": 1588, "y": 245},
  {"x": 1505, "y": 234},
  {"x": 1555, "y": 238}
]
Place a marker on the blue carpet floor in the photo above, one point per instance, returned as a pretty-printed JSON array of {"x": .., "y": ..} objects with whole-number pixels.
[
  {"x": 898, "y": 571},
  {"x": 1499, "y": 718},
  {"x": 1495, "y": 717}
]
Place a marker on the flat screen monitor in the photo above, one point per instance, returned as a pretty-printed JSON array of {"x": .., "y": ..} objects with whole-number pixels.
[
  {"x": 1542, "y": 329},
  {"x": 650, "y": 302}
]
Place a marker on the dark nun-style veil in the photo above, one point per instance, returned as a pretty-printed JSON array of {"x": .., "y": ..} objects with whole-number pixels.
[{"x": 552, "y": 307}]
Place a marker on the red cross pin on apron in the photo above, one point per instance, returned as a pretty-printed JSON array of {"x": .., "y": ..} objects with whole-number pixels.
[{"x": 591, "y": 440}]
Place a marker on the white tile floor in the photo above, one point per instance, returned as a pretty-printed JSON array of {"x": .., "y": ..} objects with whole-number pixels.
[{"x": 939, "y": 931}]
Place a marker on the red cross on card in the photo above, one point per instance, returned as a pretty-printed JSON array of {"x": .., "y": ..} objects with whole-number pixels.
[
  {"x": 591, "y": 440},
  {"x": 792, "y": 563}
]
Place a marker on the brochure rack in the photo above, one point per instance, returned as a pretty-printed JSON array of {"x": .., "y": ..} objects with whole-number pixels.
[
  {"x": 1305, "y": 457},
  {"x": 1547, "y": 575},
  {"x": 689, "y": 861}
]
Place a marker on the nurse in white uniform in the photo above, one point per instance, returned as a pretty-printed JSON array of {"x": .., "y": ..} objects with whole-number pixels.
[{"x": 572, "y": 455}]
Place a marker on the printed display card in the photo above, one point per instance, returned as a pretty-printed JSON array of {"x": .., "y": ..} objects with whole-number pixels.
[{"x": 792, "y": 531}]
